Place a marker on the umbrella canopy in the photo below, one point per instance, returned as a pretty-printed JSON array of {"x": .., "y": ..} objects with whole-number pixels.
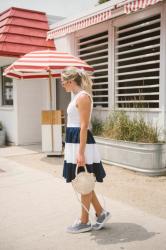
[{"x": 43, "y": 64}]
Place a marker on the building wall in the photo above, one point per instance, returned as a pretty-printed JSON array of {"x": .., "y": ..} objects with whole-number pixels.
[
  {"x": 8, "y": 113},
  {"x": 32, "y": 97},
  {"x": 155, "y": 116},
  {"x": 7, "y": 117}
]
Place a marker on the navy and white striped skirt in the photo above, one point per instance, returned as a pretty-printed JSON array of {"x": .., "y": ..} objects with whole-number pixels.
[{"x": 92, "y": 157}]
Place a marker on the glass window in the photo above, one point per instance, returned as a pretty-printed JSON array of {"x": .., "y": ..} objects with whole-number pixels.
[
  {"x": 94, "y": 50},
  {"x": 137, "y": 64},
  {"x": 7, "y": 89}
]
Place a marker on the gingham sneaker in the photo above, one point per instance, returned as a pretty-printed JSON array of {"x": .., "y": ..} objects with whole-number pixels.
[
  {"x": 101, "y": 220},
  {"x": 79, "y": 227}
]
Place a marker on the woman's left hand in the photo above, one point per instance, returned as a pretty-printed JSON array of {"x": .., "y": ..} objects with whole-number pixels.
[{"x": 80, "y": 159}]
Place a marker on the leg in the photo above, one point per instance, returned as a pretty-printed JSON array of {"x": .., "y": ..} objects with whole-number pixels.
[
  {"x": 102, "y": 215},
  {"x": 96, "y": 204},
  {"x": 86, "y": 201}
]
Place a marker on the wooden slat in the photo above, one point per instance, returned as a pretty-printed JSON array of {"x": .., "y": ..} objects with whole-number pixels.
[
  {"x": 93, "y": 53},
  {"x": 100, "y": 64},
  {"x": 139, "y": 94},
  {"x": 139, "y": 87},
  {"x": 138, "y": 26},
  {"x": 100, "y": 83},
  {"x": 138, "y": 42},
  {"x": 100, "y": 102},
  {"x": 101, "y": 70},
  {"x": 138, "y": 49},
  {"x": 138, "y": 34},
  {"x": 96, "y": 58},
  {"x": 138, "y": 57},
  {"x": 137, "y": 64},
  {"x": 94, "y": 46},
  {"x": 139, "y": 101},
  {"x": 94, "y": 90},
  {"x": 139, "y": 79},
  {"x": 138, "y": 72},
  {"x": 93, "y": 40},
  {"x": 99, "y": 77},
  {"x": 97, "y": 96}
]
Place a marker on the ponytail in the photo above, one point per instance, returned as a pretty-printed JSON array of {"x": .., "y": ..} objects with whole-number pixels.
[
  {"x": 80, "y": 76},
  {"x": 86, "y": 83}
]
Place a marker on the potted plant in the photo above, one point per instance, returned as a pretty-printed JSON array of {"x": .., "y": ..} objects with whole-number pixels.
[
  {"x": 2, "y": 135},
  {"x": 130, "y": 143}
]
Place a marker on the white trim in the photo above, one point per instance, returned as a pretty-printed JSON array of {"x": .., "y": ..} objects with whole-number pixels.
[
  {"x": 162, "y": 92},
  {"x": 111, "y": 61},
  {"x": 6, "y": 108}
]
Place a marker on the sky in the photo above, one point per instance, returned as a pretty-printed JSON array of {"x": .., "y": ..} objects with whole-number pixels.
[{"x": 63, "y": 8}]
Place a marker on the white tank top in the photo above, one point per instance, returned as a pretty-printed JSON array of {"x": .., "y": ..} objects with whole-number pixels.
[{"x": 73, "y": 116}]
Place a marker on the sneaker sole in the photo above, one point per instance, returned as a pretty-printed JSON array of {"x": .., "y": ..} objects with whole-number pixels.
[
  {"x": 80, "y": 231},
  {"x": 102, "y": 225}
]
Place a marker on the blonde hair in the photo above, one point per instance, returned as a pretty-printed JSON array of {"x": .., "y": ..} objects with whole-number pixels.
[{"x": 80, "y": 76}]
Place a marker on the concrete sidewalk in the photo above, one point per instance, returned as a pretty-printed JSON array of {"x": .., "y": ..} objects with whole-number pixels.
[{"x": 36, "y": 207}]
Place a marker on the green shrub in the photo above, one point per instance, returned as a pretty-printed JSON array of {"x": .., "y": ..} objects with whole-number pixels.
[
  {"x": 119, "y": 126},
  {"x": 97, "y": 126}
]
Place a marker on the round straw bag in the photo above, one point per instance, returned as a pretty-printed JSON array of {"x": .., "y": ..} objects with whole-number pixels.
[{"x": 84, "y": 182}]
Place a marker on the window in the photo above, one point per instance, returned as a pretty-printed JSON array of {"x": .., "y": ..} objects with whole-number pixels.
[
  {"x": 94, "y": 50},
  {"x": 7, "y": 89},
  {"x": 137, "y": 61}
]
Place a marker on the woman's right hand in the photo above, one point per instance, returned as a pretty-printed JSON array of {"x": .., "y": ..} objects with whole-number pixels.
[{"x": 80, "y": 159}]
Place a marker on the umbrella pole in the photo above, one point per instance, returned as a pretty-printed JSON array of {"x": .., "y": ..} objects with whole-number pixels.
[
  {"x": 50, "y": 93},
  {"x": 50, "y": 90}
]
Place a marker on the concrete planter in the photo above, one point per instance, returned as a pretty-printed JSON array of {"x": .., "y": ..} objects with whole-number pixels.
[
  {"x": 148, "y": 158},
  {"x": 2, "y": 137}
]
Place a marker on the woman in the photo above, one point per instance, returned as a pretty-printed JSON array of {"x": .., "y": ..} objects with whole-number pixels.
[{"x": 80, "y": 147}]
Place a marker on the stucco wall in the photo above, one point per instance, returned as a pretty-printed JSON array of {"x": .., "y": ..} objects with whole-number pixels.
[{"x": 32, "y": 98}]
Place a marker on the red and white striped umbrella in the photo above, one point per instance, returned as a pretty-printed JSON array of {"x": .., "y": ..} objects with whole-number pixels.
[{"x": 42, "y": 64}]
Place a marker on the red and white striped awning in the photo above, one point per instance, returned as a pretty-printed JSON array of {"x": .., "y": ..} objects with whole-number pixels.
[
  {"x": 80, "y": 23},
  {"x": 138, "y": 4},
  {"x": 40, "y": 64},
  {"x": 127, "y": 6}
]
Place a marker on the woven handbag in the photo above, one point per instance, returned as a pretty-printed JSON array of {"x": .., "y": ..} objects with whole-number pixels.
[{"x": 84, "y": 182}]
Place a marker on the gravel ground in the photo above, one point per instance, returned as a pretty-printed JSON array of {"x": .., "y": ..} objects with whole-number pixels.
[{"x": 144, "y": 192}]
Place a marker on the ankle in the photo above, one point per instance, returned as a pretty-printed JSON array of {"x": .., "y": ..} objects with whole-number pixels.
[
  {"x": 98, "y": 213},
  {"x": 84, "y": 221}
]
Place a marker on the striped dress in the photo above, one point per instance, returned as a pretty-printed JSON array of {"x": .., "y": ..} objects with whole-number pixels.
[{"x": 72, "y": 140}]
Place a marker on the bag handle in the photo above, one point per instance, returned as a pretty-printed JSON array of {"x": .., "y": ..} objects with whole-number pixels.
[{"x": 76, "y": 171}]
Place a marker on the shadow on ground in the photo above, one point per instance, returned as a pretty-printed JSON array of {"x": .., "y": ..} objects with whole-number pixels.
[{"x": 115, "y": 233}]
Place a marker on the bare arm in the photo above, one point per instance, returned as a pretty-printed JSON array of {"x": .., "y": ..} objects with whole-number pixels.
[{"x": 84, "y": 107}]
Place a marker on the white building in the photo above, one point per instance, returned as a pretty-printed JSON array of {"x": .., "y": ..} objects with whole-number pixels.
[
  {"x": 127, "y": 51},
  {"x": 21, "y": 101},
  {"x": 125, "y": 42}
]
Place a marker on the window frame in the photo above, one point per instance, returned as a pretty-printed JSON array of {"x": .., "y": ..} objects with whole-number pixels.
[
  {"x": 131, "y": 18},
  {"x": 2, "y": 105},
  {"x": 90, "y": 31}
]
